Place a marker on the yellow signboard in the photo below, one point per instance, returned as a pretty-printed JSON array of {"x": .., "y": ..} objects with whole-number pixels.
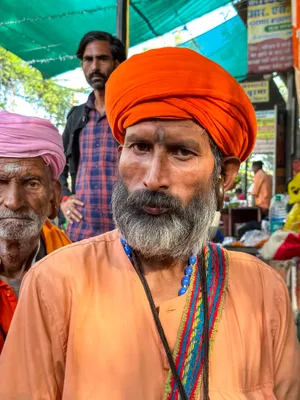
[
  {"x": 269, "y": 35},
  {"x": 258, "y": 92},
  {"x": 269, "y": 20},
  {"x": 266, "y": 124},
  {"x": 266, "y": 132}
]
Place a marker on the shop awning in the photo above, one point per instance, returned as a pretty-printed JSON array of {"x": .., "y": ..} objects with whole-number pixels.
[{"x": 46, "y": 33}]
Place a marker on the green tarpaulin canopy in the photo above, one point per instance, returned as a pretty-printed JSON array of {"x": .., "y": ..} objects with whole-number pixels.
[{"x": 46, "y": 33}]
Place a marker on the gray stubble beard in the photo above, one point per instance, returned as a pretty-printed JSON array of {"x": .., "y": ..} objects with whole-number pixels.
[{"x": 28, "y": 226}]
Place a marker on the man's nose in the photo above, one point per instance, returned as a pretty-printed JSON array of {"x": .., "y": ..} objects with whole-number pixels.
[
  {"x": 95, "y": 65},
  {"x": 157, "y": 177},
  {"x": 13, "y": 196}
]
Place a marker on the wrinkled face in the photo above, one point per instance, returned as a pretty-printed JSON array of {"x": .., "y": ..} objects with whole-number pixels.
[
  {"x": 165, "y": 199},
  {"x": 25, "y": 196},
  {"x": 98, "y": 64}
]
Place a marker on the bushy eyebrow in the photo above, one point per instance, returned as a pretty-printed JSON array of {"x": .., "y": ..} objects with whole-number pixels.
[{"x": 186, "y": 143}]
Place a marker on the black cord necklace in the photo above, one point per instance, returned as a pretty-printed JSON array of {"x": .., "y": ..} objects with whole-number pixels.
[{"x": 138, "y": 267}]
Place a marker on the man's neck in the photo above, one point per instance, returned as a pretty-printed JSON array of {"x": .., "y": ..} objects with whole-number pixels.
[
  {"x": 163, "y": 277},
  {"x": 16, "y": 256},
  {"x": 166, "y": 265},
  {"x": 100, "y": 101}
]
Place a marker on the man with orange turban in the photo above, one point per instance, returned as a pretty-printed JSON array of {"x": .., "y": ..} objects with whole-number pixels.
[{"x": 152, "y": 310}]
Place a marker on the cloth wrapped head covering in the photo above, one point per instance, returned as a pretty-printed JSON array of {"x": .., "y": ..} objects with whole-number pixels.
[
  {"x": 26, "y": 137},
  {"x": 178, "y": 83}
]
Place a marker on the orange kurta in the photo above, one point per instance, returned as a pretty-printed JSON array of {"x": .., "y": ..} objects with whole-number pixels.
[
  {"x": 262, "y": 189},
  {"x": 83, "y": 330}
]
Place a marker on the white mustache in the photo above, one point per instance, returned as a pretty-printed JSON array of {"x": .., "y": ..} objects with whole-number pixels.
[{"x": 18, "y": 215}]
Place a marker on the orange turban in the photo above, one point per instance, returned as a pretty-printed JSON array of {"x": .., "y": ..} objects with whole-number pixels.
[{"x": 178, "y": 83}]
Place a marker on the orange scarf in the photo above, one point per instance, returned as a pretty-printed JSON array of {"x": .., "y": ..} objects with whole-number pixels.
[{"x": 53, "y": 237}]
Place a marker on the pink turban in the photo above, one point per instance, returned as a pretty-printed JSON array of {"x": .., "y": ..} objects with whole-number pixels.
[{"x": 26, "y": 137}]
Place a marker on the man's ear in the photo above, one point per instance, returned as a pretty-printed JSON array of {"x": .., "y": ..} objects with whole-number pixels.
[
  {"x": 120, "y": 148},
  {"x": 55, "y": 200},
  {"x": 231, "y": 168}
]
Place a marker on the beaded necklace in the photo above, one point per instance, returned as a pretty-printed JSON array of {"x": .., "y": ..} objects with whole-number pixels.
[{"x": 185, "y": 281}]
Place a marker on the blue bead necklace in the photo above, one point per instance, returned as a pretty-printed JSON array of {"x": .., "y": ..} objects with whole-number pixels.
[{"x": 185, "y": 281}]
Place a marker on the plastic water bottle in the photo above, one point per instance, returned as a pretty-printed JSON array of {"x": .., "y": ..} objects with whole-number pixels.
[{"x": 277, "y": 213}]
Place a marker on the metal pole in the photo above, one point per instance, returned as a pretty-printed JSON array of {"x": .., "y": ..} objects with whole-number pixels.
[
  {"x": 122, "y": 30},
  {"x": 246, "y": 179},
  {"x": 274, "y": 191},
  {"x": 290, "y": 128}
]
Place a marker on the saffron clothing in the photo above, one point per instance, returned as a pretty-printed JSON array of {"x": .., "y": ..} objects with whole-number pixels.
[
  {"x": 262, "y": 189},
  {"x": 178, "y": 83},
  {"x": 53, "y": 239},
  {"x": 83, "y": 330}
]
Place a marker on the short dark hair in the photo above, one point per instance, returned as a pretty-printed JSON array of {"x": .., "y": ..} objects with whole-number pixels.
[
  {"x": 239, "y": 190},
  {"x": 258, "y": 164},
  {"x": 218, "y": 158},
  {"x": 116, "y": 46}
]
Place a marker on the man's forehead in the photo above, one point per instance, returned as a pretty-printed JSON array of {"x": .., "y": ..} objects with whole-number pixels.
[
  {"x": 22, "y": 165},
  {"x": 162, "y": 130},
  {"x": 97, "y": 46}
]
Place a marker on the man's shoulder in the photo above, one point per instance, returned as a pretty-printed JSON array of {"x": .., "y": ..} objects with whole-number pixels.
[
  {"x": 259, "y": 175},
  {"x": 75, "y": 110},
  {"x": 249, "y": 270},
  {"x": 239, "y": 259},
  {"x": 77, "y": 258}
]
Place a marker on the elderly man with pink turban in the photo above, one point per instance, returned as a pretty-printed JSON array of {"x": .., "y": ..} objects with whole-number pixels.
[{"x": 31, "y": 159}]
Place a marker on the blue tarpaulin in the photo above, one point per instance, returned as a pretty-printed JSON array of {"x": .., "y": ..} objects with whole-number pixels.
[{"x": 227, "y": 45}]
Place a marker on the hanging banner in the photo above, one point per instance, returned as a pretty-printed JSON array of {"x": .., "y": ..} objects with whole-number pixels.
[
  {"x": 296, "y": 44},
  {"x": 296, "y": 30},
  {"x": 269, "y": 35},
  {"x": 266, "y": 132},
  {"x": 258, "y": 92}
]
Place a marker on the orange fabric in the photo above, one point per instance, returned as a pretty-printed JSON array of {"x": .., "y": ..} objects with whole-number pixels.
[
  {"x": 262, "y": 189},
  {"x": 8, "y": 304},
  {"x": 178, "y": 83},
  {"x": 53, "y": 239},
  {"x": 83, "y": 330}
]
